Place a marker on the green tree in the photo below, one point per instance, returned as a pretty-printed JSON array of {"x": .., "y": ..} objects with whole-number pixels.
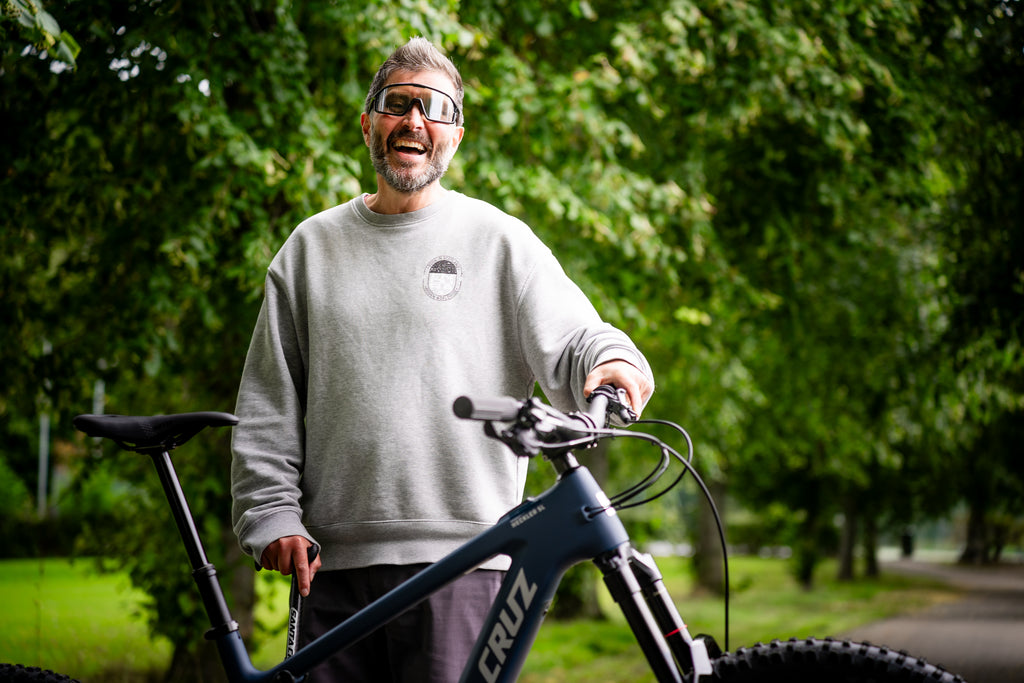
[
  {"x": 982, "y": 243},
  {"x": 789, "y": 125},
  {"x": 145, "y": 193}
]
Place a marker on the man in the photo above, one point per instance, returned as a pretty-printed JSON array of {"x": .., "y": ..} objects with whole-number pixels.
[{"x": 378, "y": 314}]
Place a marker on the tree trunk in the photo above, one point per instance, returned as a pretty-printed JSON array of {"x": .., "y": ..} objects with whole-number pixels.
[
  {"x": 870, "y": 546},
  {"x": 806, "y": 554},
  {"x": 807, "y": 550},
  {"x": 577, "y": 594},
  {"x": 196, "y": 661},
  {"x": 848, "y": 539},
  {"x": 707, "y": 558},
  {"x": 976, "y": 549}
]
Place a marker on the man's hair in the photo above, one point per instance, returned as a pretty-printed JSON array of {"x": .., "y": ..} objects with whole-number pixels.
[{"x": 419, "y": 54}]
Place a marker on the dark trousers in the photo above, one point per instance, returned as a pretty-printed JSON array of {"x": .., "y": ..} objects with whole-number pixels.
[{"x": 427, "y": 644}]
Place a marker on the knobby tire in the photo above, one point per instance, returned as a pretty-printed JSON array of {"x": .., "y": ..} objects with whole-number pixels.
[
  {"x": 823, "y": 661},
  {"x": 16, "y": 673}
]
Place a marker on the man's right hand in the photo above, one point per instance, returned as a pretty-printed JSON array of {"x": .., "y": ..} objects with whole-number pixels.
[{"x": 289, "y": 554}]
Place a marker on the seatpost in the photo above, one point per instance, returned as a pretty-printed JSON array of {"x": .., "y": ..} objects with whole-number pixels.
[{"x": 204, "y": 573}]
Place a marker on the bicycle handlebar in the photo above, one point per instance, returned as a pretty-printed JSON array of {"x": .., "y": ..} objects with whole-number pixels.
[
  {"x": 539, "y": 428},
  {"x": 503, "y": 409}
]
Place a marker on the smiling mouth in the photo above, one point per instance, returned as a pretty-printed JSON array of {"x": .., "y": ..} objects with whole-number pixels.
[{"x": 407, "y": 146}]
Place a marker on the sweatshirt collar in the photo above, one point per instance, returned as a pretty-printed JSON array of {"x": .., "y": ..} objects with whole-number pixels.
[{"x": 401, "y": 220}]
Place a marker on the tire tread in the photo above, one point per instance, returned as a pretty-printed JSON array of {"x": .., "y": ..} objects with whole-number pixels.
[
  {"x": 17, "y": 673},
  {"x": 811, "y": 660}
]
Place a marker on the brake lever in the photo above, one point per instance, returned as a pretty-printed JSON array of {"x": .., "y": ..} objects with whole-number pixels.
[
  {"x": 519, "y": 435},
  {"x": 512, "y": 437},
  {"x": 538, "y": 427},
  {"x": 618, "y": 403},
  {"x": 624, "y": 410}
]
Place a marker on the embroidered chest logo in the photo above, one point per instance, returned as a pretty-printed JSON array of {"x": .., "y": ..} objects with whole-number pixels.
[{"x": 442, "y": 278}]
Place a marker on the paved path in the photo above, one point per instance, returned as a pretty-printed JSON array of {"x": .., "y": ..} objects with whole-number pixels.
[{"x": 979, "y": 636}]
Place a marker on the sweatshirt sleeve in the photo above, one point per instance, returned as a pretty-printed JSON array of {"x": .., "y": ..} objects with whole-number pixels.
[
  {"x": 562, "y": 336},
  {"x": 268, "y": 444}
]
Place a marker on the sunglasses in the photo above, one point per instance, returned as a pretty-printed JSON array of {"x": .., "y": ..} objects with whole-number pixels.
[{"x": 398, "y": 98}]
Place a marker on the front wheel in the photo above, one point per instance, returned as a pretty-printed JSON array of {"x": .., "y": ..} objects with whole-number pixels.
[
  {"x": 16, "y": 673},
  {"x": 823, "y": 661}
]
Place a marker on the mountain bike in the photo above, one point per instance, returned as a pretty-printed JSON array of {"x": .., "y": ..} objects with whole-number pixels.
[{"x": 572, "y": 521}]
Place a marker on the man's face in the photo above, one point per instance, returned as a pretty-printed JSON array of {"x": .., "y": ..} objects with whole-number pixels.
[{"x": 409, "y": 151}]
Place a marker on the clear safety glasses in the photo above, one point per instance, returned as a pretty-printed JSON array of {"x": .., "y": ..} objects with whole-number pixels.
[{"x": 397, "y": 99}]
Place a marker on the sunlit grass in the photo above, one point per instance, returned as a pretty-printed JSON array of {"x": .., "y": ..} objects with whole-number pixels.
[{"x": 68, "y": 617}]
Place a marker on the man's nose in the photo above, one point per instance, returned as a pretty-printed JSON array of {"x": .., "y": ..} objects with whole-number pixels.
[{"x": 416, "y": 109}]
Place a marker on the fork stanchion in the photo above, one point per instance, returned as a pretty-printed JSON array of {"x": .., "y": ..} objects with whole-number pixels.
[{"x": 626, "y": 591}]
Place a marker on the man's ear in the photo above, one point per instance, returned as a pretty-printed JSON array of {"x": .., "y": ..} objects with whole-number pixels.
[
  {"x": 457, "y": 136},
  {"x": 364, "y": 121}
]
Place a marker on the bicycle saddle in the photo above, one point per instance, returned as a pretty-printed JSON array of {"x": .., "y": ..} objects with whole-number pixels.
[{"x": 153, "y": 433}]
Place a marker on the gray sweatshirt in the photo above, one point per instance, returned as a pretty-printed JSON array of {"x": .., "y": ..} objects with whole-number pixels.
[{"x": 372, "y": 325}]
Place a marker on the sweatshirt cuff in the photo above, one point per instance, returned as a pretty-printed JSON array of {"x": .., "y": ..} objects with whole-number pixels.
[{"x": 270, "y": 528}]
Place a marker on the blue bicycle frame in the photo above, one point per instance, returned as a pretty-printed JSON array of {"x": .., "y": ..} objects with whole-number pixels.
[
  {"x": 571, "y": 522},
  {"x": 544, "y": 536}
]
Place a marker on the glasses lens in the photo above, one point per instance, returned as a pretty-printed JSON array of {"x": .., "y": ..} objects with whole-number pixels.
[{"x": 396, "y": 100}]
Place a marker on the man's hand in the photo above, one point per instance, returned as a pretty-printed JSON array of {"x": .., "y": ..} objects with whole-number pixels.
[
  {"x": 621, "y": 375},
  {"x": 289, "y": 554}
]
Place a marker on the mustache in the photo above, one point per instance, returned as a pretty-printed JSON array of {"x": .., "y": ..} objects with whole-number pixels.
[{"x": 411, "y": 136}]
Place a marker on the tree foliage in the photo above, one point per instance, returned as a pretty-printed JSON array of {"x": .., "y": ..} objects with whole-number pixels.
[
  {"x": 44, "y": 35},
  {"x": 803, "y": 213}
]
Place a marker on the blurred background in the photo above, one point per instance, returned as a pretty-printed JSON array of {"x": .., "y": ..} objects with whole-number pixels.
[{"x": 807, "y": 214}]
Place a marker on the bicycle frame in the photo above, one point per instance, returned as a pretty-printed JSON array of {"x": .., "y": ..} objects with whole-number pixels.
[{"x": 570, "y": 522}]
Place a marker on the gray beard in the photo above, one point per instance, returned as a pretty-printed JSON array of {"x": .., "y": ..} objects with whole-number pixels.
[{"x": 408, "y": 183}]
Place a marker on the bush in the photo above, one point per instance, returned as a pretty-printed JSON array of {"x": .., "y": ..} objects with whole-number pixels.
[
  {"x": 86, "y": 506},
  {"x": 16, "y": 515}
]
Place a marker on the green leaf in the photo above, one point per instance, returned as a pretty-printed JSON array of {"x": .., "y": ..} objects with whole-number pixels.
[{"x": 70, "y": 46}]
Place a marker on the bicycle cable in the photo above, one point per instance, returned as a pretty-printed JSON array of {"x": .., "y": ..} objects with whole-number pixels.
[
  {"x": 647, "y": 482},
  {"x": 619, "y": 501}
]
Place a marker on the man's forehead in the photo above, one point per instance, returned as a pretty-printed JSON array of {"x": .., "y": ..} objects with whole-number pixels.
[{"x": 434, "y": 79}]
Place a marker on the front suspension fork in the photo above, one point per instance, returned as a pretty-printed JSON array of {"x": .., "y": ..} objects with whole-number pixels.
[
  {"x": 636, "y": 585},
  {"x": 691, "y": 653}
]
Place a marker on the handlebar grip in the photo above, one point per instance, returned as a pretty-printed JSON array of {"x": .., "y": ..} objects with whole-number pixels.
[
  {"x": 502, "y": 409},
  {"x": 599, "y": 400}
]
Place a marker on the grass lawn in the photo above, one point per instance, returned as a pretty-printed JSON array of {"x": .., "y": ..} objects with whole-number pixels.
[{"x": 65, "y": 616}]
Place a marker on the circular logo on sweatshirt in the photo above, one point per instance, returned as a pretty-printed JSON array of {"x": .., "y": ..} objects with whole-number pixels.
[{"x": 442, "y": 278}]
